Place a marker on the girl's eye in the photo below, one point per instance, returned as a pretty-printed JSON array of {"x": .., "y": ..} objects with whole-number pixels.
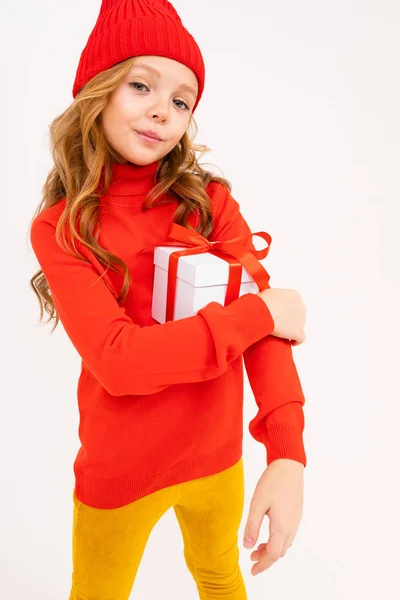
[
  {"x": 138, "y": 83},
  {"x": 184, "y": 103}
]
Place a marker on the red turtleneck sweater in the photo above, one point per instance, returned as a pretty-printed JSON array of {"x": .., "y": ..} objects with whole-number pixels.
[{"x": 161, "y": 404}]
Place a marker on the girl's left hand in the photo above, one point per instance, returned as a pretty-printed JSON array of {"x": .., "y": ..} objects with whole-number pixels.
[{"x": 278, "y": 494}]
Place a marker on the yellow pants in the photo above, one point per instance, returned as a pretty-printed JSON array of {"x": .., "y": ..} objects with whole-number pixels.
[{"x": 108, "y": 544}]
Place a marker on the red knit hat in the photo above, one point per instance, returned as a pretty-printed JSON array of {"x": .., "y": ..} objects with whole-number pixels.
[{"x": 126, "y": 28}]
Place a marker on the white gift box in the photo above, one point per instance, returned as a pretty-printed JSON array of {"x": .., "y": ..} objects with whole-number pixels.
[{"x": 201, "y": 279}]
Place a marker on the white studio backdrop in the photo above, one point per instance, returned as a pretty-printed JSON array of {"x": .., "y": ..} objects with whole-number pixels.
[{"x": 301, "y": 110}]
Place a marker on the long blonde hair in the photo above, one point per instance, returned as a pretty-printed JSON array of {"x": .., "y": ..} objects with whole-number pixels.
[{"x": 80, "y": 150}]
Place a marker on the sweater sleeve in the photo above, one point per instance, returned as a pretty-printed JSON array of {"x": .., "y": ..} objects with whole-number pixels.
[
  {"x": 125, "y": 357},
  {"x": 272, "y": 374}
]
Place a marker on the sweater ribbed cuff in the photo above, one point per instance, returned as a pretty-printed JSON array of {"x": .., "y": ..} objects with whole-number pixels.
[
  {"x": 253, "y": 318},
  {"x": 285, "y": 440}
]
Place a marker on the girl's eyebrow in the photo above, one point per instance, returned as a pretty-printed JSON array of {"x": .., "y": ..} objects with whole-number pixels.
[{"x": 183, "y": 86}]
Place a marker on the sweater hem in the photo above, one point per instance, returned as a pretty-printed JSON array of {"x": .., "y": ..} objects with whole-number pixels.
[{"x": 115, "y": 492}]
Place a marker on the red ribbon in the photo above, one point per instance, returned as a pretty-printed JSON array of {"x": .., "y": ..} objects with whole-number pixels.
[{"x": 235, "y": 247}]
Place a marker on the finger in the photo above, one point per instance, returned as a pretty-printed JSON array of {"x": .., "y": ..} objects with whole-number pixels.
[
  {"x": 288, "y": 542},
  {"x": 252, "y": 529},
  {"x": 256, "y": 554},
  {"x": 276, "y": 542},
  {"x": 272, "y": 551}
]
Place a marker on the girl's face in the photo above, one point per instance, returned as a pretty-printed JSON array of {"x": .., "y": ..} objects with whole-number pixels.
[{"x": 157, "y": 95}]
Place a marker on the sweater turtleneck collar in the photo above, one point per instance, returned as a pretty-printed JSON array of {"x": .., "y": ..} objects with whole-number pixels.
[{"x": 129, "y": 183}]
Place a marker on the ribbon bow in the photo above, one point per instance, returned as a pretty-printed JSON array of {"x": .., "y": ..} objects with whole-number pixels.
[{"x": 228, "y": 250}]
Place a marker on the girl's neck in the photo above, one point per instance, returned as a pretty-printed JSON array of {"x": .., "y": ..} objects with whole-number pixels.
[{"x": 129, "y": 182}]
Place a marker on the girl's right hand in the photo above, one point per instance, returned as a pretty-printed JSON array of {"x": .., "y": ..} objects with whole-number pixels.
[{"x": 288, "y": 312}]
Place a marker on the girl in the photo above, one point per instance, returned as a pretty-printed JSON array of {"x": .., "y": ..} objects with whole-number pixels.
[{"x": 160, "y": 404}]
